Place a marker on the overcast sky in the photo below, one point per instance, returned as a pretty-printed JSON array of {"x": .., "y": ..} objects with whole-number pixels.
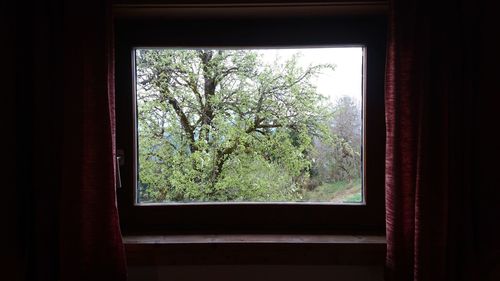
[{"x": 345, "y": 80}]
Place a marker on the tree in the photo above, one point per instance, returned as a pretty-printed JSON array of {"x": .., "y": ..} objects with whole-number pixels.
[
  {"x": 222, "y": 125},
  {"x": 339, "y": 157}
]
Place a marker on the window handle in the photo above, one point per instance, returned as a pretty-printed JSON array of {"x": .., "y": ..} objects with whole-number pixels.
[{"x": 120, "y": 159}]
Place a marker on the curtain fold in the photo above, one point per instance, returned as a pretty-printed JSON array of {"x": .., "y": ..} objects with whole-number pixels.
[
  {"x": 89, "y": 227},
  {"x": 435, "y": 229},
  {"x": 70, "y": 225}
]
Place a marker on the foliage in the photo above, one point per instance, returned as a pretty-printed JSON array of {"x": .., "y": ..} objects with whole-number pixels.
[
  {"x": 338, "y": 158},
  {"x": 221, "y": 125}
]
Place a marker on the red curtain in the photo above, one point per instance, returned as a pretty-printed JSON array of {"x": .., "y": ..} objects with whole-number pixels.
[
  {"x": 90, "y": 240},
  {"x": 439, "y": 225},
  {"x": 69, "y": 225}
]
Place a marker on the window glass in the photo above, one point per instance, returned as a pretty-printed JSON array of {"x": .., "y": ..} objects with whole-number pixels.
[{"x": 249, "y": 125}]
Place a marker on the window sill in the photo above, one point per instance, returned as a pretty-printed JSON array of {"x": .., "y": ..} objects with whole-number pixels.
[{"x": 255, "y": 249}]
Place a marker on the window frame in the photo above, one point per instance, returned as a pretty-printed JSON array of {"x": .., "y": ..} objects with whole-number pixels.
[{"x": 254, "y": 217}]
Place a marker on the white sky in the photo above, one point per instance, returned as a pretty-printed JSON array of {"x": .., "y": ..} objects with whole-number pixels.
[{"x": 345, "y": 80}]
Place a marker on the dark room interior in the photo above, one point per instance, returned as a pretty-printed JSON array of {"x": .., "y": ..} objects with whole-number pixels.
[{"x": 429, "y": 209}]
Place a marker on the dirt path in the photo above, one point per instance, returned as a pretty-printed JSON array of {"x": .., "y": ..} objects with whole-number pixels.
[{"x": 341, "y": 196}]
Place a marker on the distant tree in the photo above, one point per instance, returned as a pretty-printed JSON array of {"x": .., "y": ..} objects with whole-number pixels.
[
  {"x": 346, "y": 121},
  {"x": 339, "y": 157},
  {"x": 222, "y": 125}
]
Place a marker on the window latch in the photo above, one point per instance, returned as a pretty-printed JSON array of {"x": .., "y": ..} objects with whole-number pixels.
[{"x": 120, "y": 160}]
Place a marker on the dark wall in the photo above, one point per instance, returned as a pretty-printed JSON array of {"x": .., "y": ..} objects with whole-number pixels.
[{"x": 257, "y": 272}]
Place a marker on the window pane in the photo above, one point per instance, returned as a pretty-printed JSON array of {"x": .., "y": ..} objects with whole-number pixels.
[{"x": 249, "y": 125}]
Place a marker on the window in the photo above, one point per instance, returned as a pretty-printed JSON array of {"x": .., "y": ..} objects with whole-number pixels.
[
  {"x": 174, "y": 179},
  {"x": 249, "y": 125}
]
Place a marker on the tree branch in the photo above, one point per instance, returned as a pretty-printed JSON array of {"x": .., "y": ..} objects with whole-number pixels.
[{"x": 188, "y": 129}]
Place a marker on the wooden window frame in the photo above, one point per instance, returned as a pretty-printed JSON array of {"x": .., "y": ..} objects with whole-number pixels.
[{"x": 257, "y": 218}]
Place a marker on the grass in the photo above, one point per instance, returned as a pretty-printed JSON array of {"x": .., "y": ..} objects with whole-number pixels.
[
  {"x": 355, "y": 198},
  {"x": 337, "y": 192}
]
